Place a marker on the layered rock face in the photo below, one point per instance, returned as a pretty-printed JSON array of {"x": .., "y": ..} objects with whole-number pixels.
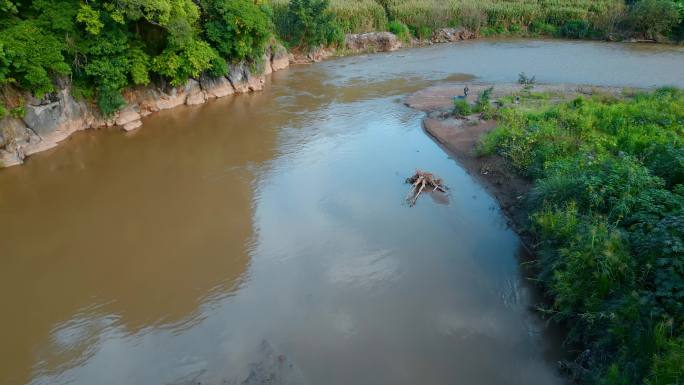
[
  {"x": 372, "y": 42},
  {"x": 450, "y": 35},
  {"x": 52, "y": 119}
]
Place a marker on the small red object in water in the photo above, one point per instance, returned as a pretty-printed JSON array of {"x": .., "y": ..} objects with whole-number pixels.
[{"x": 281, "y": 358}]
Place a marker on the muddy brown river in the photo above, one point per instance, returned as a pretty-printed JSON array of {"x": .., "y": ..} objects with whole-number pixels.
[{"x": 265, "y": 239}]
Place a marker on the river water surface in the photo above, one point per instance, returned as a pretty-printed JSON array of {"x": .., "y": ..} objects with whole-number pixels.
[{"x": 264, "y": 237}]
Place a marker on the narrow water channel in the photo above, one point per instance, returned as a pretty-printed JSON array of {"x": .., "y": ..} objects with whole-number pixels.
[{"x": 267, "y": 233}]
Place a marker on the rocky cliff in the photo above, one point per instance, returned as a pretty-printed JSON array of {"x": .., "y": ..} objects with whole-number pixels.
[{"x": 53, "y": 118}]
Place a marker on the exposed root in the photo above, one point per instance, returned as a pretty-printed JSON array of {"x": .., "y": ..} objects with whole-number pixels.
[{"x": 421, "y": 180}]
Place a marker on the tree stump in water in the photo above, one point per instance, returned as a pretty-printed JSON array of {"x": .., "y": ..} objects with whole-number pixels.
[{"x": 420, "y": 181}]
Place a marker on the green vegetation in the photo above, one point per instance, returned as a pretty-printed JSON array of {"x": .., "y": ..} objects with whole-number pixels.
[
  {"x": 577, "y": 19},
  {"x": 655, "y": 18},
  {"x": 238, "y": 29},
  {"x": 307, "y": 24},
  {"x": 503, "y": 17},
  {"x": 462, "y": 108},
  {"x": 353, "y": 16},
  {"x": 607, "y": 211},
  {"x": 105, "y": 46},
  {"x": 400, "y": 29},
  {"x": 484, "y": 103}
]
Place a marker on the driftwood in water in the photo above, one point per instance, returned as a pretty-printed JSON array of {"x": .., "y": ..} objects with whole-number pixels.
[{"x": 420, "y": 181}]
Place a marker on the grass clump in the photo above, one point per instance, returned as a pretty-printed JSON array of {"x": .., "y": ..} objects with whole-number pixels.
[
  {"x": 462, "y": 108},
  {"x": 607, "y": 210},
  {"x": 400, "y": 29},
  {"x": 483, "y": 104}
]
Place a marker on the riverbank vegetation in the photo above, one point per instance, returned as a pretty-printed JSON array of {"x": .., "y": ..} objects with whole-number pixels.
[
  {"x": 607, "y": 212},
  {"x": 103, "y": 47},
  {"x": 580, "y": 19}
]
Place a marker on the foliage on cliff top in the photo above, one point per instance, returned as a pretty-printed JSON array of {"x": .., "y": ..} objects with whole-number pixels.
[
  {"x": 105, "y": 46},
  {"x": 607, "y": 209}
]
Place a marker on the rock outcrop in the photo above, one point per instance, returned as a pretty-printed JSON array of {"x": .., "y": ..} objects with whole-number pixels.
[
  {"x": 14, "y": 136},
  {"x": 129, "y": 118},
  {"x": 52, "y": 119},
  {"x": 280, "y": 59},
  {"x": 243, "y": 80},
  {"x": 449, "y": 35},
  {"x": 216, "y": 87},
  {"x": 195, "y": 93},
  {"x": 372, "y": 42},
  {"x": 314, "y": 55},
  {"x": 60, "y": 113}
]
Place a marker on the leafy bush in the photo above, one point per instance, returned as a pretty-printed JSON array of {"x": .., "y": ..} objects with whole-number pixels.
[
  {"x": 484, "y": 103},
  {"x": 239, "y": 29},
  {"x": 400, "y": 29},
  {"x": 309, "y": 23},
  {"x": 654, "y": 18},
  {"x": 423, "y": 32},
  {"x": 181, "y": 63},
  {"x": 576, "y": 29},
  {"x": 543, "y": 28},
  {"x": 526, "y": 80},
  {"x": 29, "y": 57},
  {"x": 462, "y": 107}
]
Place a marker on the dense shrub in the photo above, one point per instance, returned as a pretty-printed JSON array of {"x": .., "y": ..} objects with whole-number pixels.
[
  {"x": 607, "y": 210},
  {"x": 483, "y": 104},
  {"x": 29, "y": 57},
  {"x": 654, "y": 18},
  {"x": 114, "y": 45},
  {"x": 576, "y": 29},
  {"x": 308, "y": 24},
  {"x": 400, "y": 29},
  {"x": 238, "y": 29},
  {"x": 543, "y": 28},
  {"x": 181, "y": 63},
  {"x": 462, "y": 107}
]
